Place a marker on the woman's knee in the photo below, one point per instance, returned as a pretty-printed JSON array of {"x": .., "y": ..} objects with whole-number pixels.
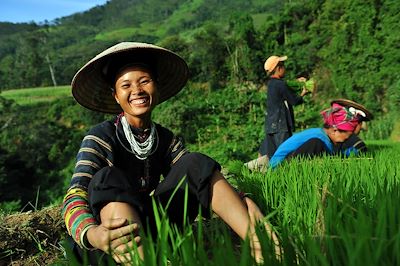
[{"x": 118, "y": 210}]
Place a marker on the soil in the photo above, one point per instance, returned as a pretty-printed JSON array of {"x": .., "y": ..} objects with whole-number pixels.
[
  {"x": 32, "y": 238},
  {"x": 35, "y": 238}
]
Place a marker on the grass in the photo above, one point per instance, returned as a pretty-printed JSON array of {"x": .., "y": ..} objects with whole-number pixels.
[
  {"x": 31, "y": 96},
  {"x": 326, "y": 211},
  {"x": 333, "y": 211}
]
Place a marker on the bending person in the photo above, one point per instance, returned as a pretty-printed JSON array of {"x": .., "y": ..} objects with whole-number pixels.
[{"x": 339, "y": 124}]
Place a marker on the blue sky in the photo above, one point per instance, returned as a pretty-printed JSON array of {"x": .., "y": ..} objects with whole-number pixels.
[{"x": 39, "y": 10}]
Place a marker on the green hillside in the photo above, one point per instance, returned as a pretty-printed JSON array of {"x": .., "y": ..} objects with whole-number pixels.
[{"x": 350, "y": 47}]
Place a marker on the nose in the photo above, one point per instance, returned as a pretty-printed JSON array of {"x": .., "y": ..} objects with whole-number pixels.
[{"x": 136, "y": 89}]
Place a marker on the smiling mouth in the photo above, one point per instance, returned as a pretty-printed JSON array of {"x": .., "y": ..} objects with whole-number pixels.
[{"x": 139, "y": 101}]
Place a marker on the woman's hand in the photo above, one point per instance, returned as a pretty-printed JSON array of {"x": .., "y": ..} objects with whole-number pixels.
[
  {"x": 115, "y": 237},
  {"x": 256, "y": 216}
]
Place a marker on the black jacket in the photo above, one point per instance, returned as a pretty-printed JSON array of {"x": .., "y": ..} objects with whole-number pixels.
[{"x": 279, "y": 116}]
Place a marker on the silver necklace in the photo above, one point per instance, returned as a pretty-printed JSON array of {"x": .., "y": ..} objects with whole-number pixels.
[{"x": 140, "y": 149}]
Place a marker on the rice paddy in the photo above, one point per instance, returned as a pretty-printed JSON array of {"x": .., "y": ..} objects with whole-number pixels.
[{"x": 31, "y": 96}]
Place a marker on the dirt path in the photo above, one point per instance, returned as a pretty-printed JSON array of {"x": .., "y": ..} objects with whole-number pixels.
[{"x": 32, "y": 238}]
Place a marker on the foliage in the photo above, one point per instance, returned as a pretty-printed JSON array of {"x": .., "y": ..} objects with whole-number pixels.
[
  {"x": 349, "y": 47},
  {"x": 39, "y": 145},
  {"x": 227, "y": 124}
]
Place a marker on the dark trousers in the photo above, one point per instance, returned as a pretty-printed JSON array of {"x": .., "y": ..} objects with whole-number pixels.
[
  {"x": 272, "y": 141},
  {"x": 193, "y": 172}
]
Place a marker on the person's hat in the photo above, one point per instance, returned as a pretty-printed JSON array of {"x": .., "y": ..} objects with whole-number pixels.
[
  {"x": 358, "y": 108},
  {"x": 340, "y": 117},
  {"x": 273, "y": 61},
  {"x": 92, "y": 86}
]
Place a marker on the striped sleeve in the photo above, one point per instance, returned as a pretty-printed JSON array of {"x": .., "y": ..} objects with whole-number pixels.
[
  {"x": 177, "y": 149},
  {"x": 76, "y": 213},
  {"x": 95, "y": 153}
]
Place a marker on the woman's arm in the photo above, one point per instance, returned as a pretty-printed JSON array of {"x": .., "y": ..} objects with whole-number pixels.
[
  {"x": 290, "y": 96},
  {"x": 94, "y": 154}
]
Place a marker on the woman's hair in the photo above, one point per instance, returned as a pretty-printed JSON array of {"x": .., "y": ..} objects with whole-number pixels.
[
  {"x": 113, "y": 67},
  {"x": 280, "y": 64}
]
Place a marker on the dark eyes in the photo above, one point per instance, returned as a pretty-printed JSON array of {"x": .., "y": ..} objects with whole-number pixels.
[
  {"x": 145, "y": 82},
  {"x": 141, "y": 84}
]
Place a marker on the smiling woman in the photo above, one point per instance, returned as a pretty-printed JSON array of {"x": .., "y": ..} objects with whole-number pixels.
[
  {"x": 20, "y": 11},
  {"x": 128, "y": 162}
]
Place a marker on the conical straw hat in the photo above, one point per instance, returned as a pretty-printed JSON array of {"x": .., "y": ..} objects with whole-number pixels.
[{"x": 92, "y": 89}]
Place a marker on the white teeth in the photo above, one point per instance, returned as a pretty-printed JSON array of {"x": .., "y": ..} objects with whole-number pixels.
[{"x": 139, "y": 101}]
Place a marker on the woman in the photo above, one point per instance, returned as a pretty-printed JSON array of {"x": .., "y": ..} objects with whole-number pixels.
[
  {"x": 354, "y": 145},
  {"x": 120, "y": 161},
  {"x": 339, "y": 124}
]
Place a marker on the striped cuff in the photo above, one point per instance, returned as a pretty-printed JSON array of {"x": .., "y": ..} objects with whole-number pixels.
[{"x": 83, "y": 238}]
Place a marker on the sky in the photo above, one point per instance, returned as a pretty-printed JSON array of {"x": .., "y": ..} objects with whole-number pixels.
[{"x": 18, "y": 11}]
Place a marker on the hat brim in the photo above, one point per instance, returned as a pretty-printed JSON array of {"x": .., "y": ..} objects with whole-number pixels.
[
  {"x": 282, "y": 58},
  {"x": 350, "y": 103},
  {"x": 91, "y": 89},
  {"x": 269, "y": 66}
]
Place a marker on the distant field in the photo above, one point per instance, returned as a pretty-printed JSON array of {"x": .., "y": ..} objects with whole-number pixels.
[{"x": 37, "y": 95}]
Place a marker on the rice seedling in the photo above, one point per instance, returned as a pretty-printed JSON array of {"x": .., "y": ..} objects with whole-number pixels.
[{"x": 333, "y": 211}]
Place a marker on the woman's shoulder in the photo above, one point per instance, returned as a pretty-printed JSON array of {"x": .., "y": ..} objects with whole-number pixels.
[
  {"x": 163, "y": 131},
  {"x": 105, "y": 128}
]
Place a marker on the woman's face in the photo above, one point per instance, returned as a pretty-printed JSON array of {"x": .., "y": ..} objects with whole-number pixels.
[
  {"x": 136, "y": 93},
  {"x": 338, "y": 136},
  {"x": 358, "y": 128}
]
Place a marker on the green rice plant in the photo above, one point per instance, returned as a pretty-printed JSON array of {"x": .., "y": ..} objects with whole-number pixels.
[
  {"x": 334, "y": 211},
  {"x": 191, "y": 244}
]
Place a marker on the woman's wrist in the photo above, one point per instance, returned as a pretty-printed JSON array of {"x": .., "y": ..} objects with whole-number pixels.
[{"x": 85, "y": 240}]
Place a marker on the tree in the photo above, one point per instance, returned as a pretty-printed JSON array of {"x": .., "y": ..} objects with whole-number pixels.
[
  {"x": 208, "y": 56},
  {"x": 29, "y": 61},
  {"x": 244, "y": 49}
]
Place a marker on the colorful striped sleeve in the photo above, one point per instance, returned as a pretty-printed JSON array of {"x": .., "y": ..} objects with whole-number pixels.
[
  {"x": 76, "y": 213},
  {"x": 95, "y": 153}
]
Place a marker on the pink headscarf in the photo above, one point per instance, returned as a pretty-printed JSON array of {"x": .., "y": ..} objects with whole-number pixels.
[{"x": 340, "y": 117}]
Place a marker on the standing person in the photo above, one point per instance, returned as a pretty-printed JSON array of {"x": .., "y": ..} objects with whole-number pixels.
[
  {"x": 120, "y": 161},
  {"x": 279, "y": 118},
  {"x": 339, "y": 124},
  {"x": 354, "y": 144}
]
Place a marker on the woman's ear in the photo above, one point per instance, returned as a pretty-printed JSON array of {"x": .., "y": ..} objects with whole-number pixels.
[{"x": 115, "y": 97}]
